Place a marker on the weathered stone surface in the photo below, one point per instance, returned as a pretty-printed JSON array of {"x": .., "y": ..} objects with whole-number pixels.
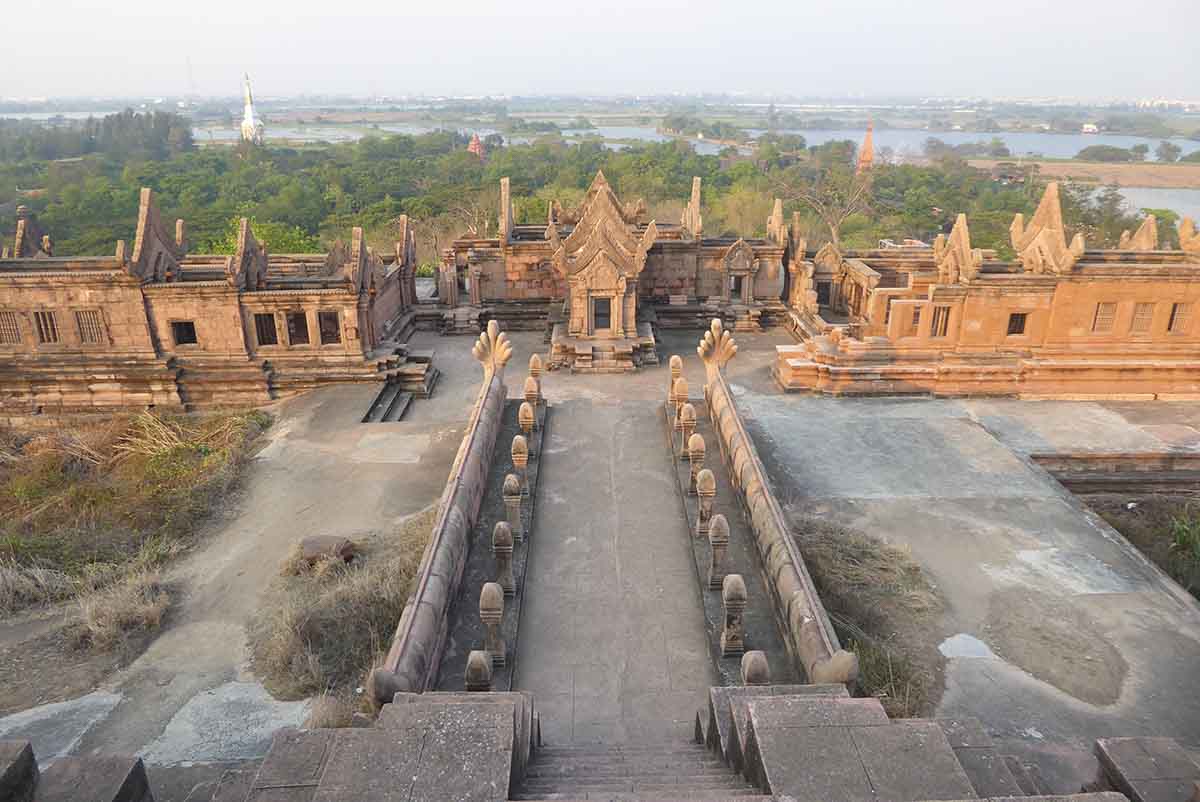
[
  {"x": 95, "y": 779},
  {"x": 18, "y": 771},
  {"x": 1148, "y": 769},
  {"x": 910, "y": 761}
]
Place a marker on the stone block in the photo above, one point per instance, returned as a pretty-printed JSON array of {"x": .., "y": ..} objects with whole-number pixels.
[
  {"x": 793, "y": 712},
  {"x": 95, "y": 779},
  {"x": 18, "y": 771},
  {"x": 988, "y": 772},
  {"x": 1148, "y": 769},
  {"x": 965, "y": 733},
  {"x": 809, "y": 763},
  {"x": 910, "y": 761}
]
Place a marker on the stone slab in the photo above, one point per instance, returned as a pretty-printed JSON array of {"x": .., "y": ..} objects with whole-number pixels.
[
  {"x": 1146, "y": 758},
  {"x": 988, "y": 772},
  {"x": 794, "y": 712},
  {"x": 296, "y": 757},
  {"x": 910, "y": 761},
  {"x": 95, "y": 779},
  {"x": 810, "y": 763},
  {"x": 18, "y": 771},
  {"x": 965, "y": 733},
  {"x": 723, "y": 700}
]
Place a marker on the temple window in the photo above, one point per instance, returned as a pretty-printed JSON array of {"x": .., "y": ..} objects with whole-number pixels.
[
  {"x": 1143, "y": 318},
  {"x": 331, "y": 329},
  {"x": 914, "y": 325},
  {"x": 1181, "y": 316},
  {"x": 183, "y": 332},
  {"x": 1016, "y": 323},
  {"x": 47, "y": 327},
  {"x": 941, "y": 321},
  {"x": 264, "y": 329},
  {"x": 297, "y": 328},
  {"x": 1106, "y": 313},
  {"x": 602, "y": 313},
  {"x": 90, "y": 325},
  {"x": 10, "y": 329}
]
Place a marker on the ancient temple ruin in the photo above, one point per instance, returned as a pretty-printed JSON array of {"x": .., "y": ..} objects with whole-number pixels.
[
  {"x": 1060, "y": 320},
  {"x": 600, "y": 278},
  {"x": 158, "y": 326}
]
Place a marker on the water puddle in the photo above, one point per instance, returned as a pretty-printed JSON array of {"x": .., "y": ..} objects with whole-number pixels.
[{"x": 963, "y": 645}]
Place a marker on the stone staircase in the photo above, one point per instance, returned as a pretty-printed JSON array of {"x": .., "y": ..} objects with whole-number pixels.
[{"x": 642, "y": 771}]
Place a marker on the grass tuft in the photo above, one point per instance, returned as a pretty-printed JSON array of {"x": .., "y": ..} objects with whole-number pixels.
[
  {"x": 109, "y": 615},
  {"x": 883, "y": 608},
  {"x": 323, "y": 627}
]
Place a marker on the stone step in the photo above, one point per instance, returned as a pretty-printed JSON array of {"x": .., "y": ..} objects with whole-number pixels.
[
  {"x": 673, "y": 786},
  {"x": 540, "y": 771},
  {"x": 94, "y": 779},
  {"x": 1022, "y": 776},
  {"x": 18, "y": 771},
  {"x": 234, "y": 785}
]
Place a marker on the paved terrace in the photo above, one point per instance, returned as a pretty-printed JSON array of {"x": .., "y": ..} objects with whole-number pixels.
[{"x": 1056, "y": 631}]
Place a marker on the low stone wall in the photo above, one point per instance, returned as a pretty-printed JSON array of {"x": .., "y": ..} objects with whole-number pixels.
[
  {"x": 1123, "y": 472},
  {"x": 412, "y": 662},
  {"x": 810, "y": 636}
]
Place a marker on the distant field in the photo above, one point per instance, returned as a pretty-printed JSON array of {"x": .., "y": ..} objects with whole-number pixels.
[{"x": 1142, "y": 174}]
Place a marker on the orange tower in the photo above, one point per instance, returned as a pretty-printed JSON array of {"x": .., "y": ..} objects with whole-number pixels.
[
  {"x": 477, "y": 147},
  {"x": 866, "y": 154}
]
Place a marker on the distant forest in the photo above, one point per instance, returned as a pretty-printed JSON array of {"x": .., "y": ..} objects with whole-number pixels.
[{"x": 83, "y": 181}]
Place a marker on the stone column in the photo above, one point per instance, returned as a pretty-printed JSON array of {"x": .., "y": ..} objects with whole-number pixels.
[
  {"x": 491, "y": 613},
  {"x": 527, "y": 420},
  {"x": 706, "y": 490},
  {"x": 755, "y": 670},
  {"x": 502, "y": 550},
  {"x": 686, "y": 426},
  {"x": 533, "y": 391},
  {"x": 695, "y": 456},
  {"x": 733, "y": 599},
  {"x": 520, "y": 459},
  {"x": 718, "y": 541},
  {"x": 512, "y": 506},
  {"x": 478, "y": 676}
]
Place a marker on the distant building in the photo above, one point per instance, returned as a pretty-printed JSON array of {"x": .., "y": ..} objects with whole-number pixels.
[
  {"x": 477, "y": 147},
  {"x": 1090, "y": 128},
  {"x": 252, "y": 126}
]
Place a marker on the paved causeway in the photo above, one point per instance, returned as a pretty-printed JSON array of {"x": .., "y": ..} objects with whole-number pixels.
[{"x": 612, "y": 632}]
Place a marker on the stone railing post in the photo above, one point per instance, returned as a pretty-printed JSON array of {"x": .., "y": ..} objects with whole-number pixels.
[
  {"x": 512, "y": 506},
  {"x": 733, "y": 599},
  {"x": 533, "y": 391},
  {"x": 680, "y": 395},
  {"x": 685, "y": 425},
  {"x": 718, "y": 541},
  {"x": 527, "y": 421},
  {"x": 695, "y": 454},
  {"x": 676, "y": 364},
  {"x": 706, "y": 491},
  {"x": 491, "y": 613},
  {"x": 520, "y": 459},
  {"x": 478, "y": 676},
  {"x": 502, "y": 549},
  {"x": 755, "y": 669},
  {"x": 535, "y": 366}
]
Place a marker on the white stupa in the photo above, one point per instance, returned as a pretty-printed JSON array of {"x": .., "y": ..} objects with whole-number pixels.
[{"x": 252, "y": 127}]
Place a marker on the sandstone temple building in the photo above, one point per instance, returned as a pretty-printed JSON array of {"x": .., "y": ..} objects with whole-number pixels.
[
  {"x": 1059, "y": 321},
  {"x": 160, "y": 327}
]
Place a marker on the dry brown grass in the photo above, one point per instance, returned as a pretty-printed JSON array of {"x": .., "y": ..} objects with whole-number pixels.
[
  {"x": 109, "y": 615},
  {"x": 323, "y": 628},
  {"x": 884, "y": 610},
  {"x": 331, "y": 710},
  {"x": 1166, "y": 528},
  {"x": 82, "y": 506}
]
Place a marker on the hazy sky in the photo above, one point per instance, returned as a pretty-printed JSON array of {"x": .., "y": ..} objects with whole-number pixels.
[{"x": 1083, "y": 48}]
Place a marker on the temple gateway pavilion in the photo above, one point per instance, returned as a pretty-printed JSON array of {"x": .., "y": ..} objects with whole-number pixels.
[{"x": 600, "y": 278}]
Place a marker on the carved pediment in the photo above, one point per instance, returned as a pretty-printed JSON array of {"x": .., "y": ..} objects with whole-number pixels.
[
  {"x": 30, "y": 242},
  {"x": 247, "y": 270},
  {"x": 156, "y": 255},
  {"x": 740, "y": 258},
  {"x": 956, "y": 260},
  {"x": 1189, "y": 238},
  {"x": 602, "y": 230},
  {"x": 600, "y": 190},
  {"x": 691, "y": 221},
  {"x": 828, "y": 259},
  {"x": 1042, "y": 245},
  {"x": 1144, "y": 239},
  {"x": 777, "y": 229}
]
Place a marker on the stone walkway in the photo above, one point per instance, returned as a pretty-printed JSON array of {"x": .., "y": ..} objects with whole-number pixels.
[{"x": 612, "y": 632}]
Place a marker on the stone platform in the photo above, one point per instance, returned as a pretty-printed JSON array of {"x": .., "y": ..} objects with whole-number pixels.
[{"x": 602, "y": 355}]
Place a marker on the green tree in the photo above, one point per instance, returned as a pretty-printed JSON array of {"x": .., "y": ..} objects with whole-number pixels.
[
  {"x": 1104, "y": 153},
  {"x": 1139, "y": 152},
  {"x": 1167, "y": 152}
]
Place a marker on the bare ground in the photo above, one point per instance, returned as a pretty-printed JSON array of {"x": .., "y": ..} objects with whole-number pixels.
[{"x": 1139, "y": 174}]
